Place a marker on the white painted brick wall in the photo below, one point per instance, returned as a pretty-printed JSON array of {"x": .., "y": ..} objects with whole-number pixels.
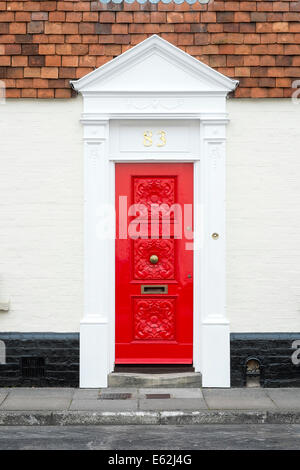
[
  {"x": 263, "y": 216},
  {"x": 41, "y": 210}
]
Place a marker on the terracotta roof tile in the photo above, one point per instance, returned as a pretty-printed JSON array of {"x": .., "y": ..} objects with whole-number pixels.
[{"x": 44, "y": 44}]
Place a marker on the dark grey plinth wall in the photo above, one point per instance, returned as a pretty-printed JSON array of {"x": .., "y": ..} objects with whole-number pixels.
[
  {"x": 274, "y": 353},
  {"x": 52, "y": 359},
  {"x": 40, "y": 360}
]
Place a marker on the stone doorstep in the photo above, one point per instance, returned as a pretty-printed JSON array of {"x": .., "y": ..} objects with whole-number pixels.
[{"x": 172, "y": 380}]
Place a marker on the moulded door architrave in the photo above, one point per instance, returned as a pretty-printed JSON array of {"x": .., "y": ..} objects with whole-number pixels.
[{"x": 113, "y": 94}]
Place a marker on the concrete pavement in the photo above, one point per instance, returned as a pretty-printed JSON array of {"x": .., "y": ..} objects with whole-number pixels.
[{"x": 67, "y": 406}]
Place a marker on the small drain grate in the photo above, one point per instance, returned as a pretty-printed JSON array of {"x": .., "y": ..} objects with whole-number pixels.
[
  {"x": 158, "y": 395},
  {"x": 114, "y": 396}
]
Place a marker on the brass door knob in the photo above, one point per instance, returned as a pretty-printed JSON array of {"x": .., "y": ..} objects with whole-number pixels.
[{"x": 153, "y": 259}]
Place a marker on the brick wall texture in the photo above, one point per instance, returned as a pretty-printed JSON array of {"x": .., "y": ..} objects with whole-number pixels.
[{"x": 45, "y": 44}]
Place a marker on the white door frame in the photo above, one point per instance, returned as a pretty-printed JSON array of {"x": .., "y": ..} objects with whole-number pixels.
[{"x": 206, "y": 109}]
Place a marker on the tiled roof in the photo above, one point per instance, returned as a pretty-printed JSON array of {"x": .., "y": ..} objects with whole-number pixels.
[{"x": 45, "y": 44}]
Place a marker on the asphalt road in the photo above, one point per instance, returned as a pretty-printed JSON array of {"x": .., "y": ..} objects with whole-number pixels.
[{"x": 135, "y": 437}]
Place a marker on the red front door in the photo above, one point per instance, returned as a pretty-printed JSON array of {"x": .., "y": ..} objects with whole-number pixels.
[{"x": 154, "y": 263}]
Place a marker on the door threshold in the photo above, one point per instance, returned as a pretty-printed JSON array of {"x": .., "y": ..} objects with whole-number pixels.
[{"x": 153, "y": 368}]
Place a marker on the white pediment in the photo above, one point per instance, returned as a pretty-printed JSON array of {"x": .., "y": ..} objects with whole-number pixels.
[{"x": 155, "y": 65}]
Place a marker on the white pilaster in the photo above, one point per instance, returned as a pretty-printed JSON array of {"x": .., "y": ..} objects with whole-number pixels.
[
  {"x": 94, "y": 327},
  {"x": 215, "y": 335}
]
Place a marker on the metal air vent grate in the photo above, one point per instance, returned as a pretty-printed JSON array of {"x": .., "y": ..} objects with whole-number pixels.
[{"x": 32, "y": 367}]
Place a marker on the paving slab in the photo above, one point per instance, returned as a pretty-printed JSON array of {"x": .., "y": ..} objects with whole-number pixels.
[
  {"x": 35, "y": 403},
  {"x": 104, "y": 405},
  {"x": 86, "y": 393},
  {"x": 284, "y": 397},
  {"x": 42, "y": 392},
  {"x": 184, "y": 393},
  {"x": 3, "y": 395},
  {"x": 172, "y": 404},
  {"x": 237, "y": 399}
]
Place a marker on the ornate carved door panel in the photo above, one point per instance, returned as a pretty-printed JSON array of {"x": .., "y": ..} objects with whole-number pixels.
[{"x": 154, "y": 263}]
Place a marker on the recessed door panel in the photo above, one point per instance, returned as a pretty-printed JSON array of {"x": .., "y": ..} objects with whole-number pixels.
[{"x": 154, "y": 263}]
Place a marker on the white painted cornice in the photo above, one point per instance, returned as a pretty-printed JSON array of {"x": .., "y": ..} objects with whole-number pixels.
[{"x": 99, "y": 118}]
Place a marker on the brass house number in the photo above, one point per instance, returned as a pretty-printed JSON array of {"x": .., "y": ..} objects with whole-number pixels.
[{"x": 148, "y": 139}]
